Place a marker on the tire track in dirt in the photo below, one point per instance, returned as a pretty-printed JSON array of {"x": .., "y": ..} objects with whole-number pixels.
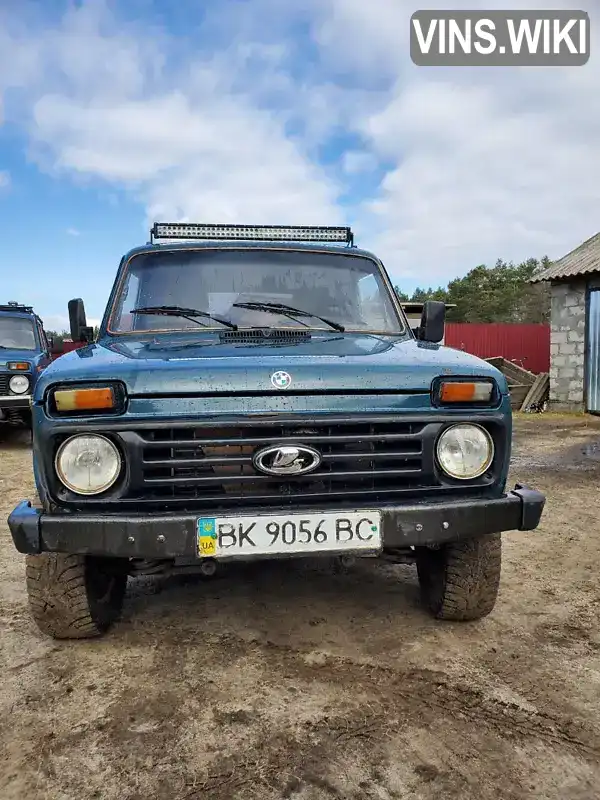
[
  {"x": 419, "y": 697},
  {"x": 423, "y": 688},
  {"x": 396, "y": 700},
  {"x": 435, "y": 691},
  {"x": 281, "y": 761}
]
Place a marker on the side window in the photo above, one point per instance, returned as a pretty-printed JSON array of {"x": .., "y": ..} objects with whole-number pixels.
[
  {"x": 129, "y": 301},
  {"x": 42, "y": 335},
  {"x": 373, "y": 308}
]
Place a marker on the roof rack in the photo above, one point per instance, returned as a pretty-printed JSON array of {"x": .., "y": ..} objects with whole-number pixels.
[
  {"x": 12, "y": 306},
  {"x": 264, "y": 233}
]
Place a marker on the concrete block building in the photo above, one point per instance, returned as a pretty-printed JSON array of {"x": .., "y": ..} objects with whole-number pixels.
[{"x": 575, "y": 328}]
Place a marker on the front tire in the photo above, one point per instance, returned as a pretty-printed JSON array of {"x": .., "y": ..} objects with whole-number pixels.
[
  {"x": 75, "y": 596},
  {"x": 460, "y": 580}
]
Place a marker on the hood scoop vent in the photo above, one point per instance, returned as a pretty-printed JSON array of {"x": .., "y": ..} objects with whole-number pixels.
[{"x": 265, "y": 335}]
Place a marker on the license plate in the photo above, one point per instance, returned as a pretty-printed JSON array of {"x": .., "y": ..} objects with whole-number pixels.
[{"x": 228, "y": 537}]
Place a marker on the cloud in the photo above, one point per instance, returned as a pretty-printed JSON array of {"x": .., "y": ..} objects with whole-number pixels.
[
  {"x": 73, "y": 232},
  {"x": 190, "y": 140},
  {"x": 55, "y": 322},
  {"x": 357, "y": 161},
  {"x": 318, "y": 117},
  {"x": 60, "y": 323},
  {"x": 481, "y": 163},
  {"x": 221, "y": 160},
  {"x": 4, "y": 179}
]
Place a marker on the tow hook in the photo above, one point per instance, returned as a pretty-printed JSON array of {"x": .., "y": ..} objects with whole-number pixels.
[{"x": 208, "y": 567}]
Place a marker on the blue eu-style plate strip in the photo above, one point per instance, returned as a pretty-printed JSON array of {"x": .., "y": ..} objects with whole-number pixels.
[{"x": 206, "y": 527}]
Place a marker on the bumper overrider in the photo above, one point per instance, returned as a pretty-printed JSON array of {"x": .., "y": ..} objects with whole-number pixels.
[{"x": 165, "y": 536}]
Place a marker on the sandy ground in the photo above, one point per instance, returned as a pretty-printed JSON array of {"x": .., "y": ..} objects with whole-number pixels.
[{"x": 298, "y": 682}]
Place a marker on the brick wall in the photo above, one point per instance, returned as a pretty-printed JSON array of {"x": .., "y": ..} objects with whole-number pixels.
[{"x": 567, "y": 346}]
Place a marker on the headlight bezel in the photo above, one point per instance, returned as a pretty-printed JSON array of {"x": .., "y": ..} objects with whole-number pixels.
[
  {"x": 68, "y": 485},
  {"x": 486, "y": 466},
  {"x": 19, "y": 376}
]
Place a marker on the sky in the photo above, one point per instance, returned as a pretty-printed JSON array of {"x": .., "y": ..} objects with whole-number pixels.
[{"x": 114, "y": 115}]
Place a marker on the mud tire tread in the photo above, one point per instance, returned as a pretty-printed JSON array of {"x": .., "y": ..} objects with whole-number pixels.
[
  {"x": 460, "y": 581},
  {"x": 64, "y": 596}
]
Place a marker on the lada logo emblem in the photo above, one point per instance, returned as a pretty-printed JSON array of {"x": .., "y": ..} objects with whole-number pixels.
[
  {"x": 281, "y": 380},
  {"x": 284, "y": 460}
]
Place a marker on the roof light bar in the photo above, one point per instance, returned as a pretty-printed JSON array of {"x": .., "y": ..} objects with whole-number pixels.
[
  {"x": 12, "y": 306},
  {"x": 265, "y": 233}
]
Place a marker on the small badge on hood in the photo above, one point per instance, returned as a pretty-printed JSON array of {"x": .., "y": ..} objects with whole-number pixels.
[{"x": 281, "y": 380}]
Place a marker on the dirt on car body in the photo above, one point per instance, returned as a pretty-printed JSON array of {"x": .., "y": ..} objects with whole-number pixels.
[{"x": 294, "y": 680}]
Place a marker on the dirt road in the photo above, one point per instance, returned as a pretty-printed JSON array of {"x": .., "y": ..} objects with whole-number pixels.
[{"x": 295, "y": 682}]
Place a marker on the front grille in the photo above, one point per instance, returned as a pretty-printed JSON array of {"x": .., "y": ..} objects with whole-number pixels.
[
  {"x": 4, "y": 379},
  {"x": 208, "y": 466},
  {"x": 213, "y": 465}
]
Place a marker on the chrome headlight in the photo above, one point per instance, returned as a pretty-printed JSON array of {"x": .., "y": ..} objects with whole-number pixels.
[
  {"x": 19, "y": 384},
  {"x": 88, "y": 463},
  {"x": 465, "y": 451}
]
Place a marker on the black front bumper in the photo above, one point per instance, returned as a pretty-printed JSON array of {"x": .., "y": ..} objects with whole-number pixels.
[
  {"x": 174, "y": 536},
  {"x": 15, "y": 401}
]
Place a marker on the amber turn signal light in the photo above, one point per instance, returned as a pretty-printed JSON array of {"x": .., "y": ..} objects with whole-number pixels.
[
  {"x": 84, "y": 399},
  {"x": 18, "y": 365},
  {"x": 464, "y": 392}
]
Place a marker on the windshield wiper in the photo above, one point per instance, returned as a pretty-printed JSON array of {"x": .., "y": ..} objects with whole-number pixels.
[
  {"x": 288, "y": 311},
  {"x": 186, "y": 313}
]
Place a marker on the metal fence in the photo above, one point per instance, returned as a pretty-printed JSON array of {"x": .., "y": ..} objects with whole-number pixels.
[{"x": 526, "y": 345}]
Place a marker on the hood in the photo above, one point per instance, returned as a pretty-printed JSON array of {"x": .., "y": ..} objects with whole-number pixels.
[
  {"x": 12, "y": 354},
  {"x": 205, "y": 364}
]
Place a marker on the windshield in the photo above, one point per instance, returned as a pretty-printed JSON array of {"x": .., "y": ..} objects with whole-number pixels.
[
  {"x": 16, "y": 333},
  {"x": 245, "y": 287}
]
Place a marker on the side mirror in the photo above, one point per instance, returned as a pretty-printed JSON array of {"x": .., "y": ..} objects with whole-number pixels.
[
  {"x": 50, "y": 340},
  {"x": 80, "y": 332},
  {"x": 433, "y": 321}
]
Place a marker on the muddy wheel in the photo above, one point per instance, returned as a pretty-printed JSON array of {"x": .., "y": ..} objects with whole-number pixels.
[
  {"x": 73, "y": 596},
  {"x": 460, "y": 580}
]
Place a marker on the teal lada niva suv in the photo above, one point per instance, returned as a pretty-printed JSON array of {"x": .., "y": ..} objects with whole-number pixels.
[
  {"x": 24, "y": 353},
  {"x": 256, "y": 392}
]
